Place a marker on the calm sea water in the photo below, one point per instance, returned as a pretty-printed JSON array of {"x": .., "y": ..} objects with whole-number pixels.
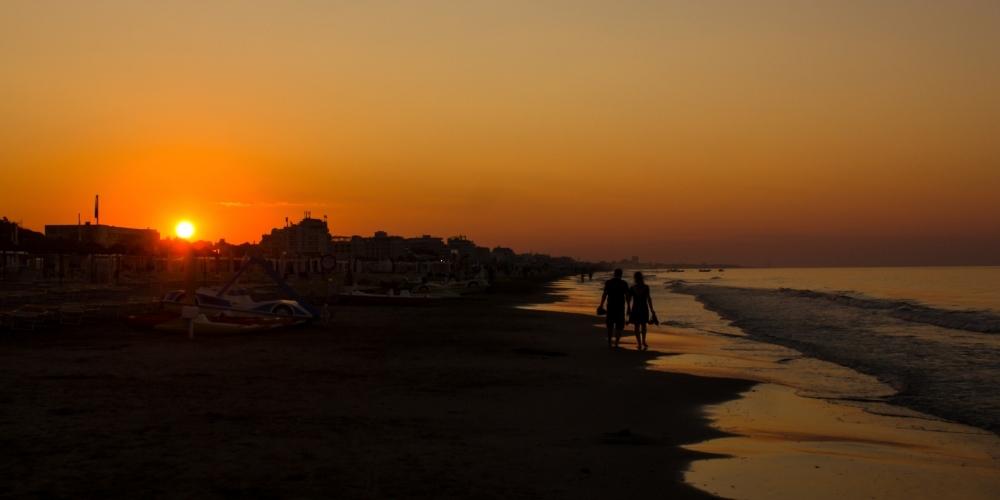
[
  {"x": 959, "y": 288},
  {"x": 944, "y": 287}
]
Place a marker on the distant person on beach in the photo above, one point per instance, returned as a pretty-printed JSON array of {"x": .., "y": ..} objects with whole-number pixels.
[
  {"x": 616, "y": 295},
  {"x": 642, "y": 306}
]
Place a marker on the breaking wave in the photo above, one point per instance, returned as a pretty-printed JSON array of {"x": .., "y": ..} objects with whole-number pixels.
[
  {"x": 969, "y": 320},
  {"x": 941, "y": 362}
]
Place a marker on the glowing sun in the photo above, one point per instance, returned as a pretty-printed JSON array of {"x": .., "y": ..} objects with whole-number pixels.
[{"x": 184, "y": 229}]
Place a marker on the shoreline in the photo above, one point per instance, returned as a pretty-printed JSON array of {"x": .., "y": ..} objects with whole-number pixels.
[
  {"x": 808, "y": 426},
  {"x": 927, "y": 362},
  {"x": 812, "y": 428},
  {"x": 477, "y": 397}
]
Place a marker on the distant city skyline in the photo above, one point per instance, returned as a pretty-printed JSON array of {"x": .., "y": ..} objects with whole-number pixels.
[
  {"x": 776, "y": 251},
  {"x": 769, "y": 132}
]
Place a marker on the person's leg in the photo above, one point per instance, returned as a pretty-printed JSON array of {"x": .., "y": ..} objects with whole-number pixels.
[
  {"x": 638, "y": 339},
  {"x": 611, "y": 328},
  {"x": 619, "y": 328},
  {"x": 644, "y": 344}
]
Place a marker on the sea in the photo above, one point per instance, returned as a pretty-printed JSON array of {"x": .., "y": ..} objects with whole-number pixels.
[
  {"x": 976, "y": 288},
  {"x": 878, "y": 373}
]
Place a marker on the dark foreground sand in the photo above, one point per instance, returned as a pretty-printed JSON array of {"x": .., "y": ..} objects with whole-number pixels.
[{"x": 477, "y": 399}]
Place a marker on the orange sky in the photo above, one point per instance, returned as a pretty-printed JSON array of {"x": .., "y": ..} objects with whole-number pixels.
[{"x": 781, "y": 132}]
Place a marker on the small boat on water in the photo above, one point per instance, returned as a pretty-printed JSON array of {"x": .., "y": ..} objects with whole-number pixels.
[
  {"x": 675, "y": 270},
  {"x": 704, "y": 270}
]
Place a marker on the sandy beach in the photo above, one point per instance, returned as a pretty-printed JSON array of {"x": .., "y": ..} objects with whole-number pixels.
[
  {"x": 503, "y": 394},
  {"x": 371, "y": 250},
  {"x": 473, "y": 399}
]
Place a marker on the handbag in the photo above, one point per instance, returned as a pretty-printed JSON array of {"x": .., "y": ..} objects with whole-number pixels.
[{"x": 601, "y": 311}]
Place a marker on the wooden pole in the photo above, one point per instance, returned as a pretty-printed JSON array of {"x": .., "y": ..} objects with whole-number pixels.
[{"x": 190, "y": 309}]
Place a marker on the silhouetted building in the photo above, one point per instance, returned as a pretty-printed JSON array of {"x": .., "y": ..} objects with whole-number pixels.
[
  {"x": 144, "y": 240},
  {"x": 382, "y": 246},
  {"x": 308, "y": 237},
  {"x": 462, "y": 246},
  {"x": 427, "y": 246},
  {"x": 481, "y": 254},
  {"x": 346, "y": 248},
  {"x": 503, "y": 254}
]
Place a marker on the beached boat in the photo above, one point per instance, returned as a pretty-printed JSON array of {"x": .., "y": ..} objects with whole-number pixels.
[
  {"x": 227, "y": 309},
  {"x": 240, "y": 303}
]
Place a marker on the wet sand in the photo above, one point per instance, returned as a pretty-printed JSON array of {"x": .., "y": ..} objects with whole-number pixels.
[
  {"x": 788, "y": 442},
  {"x": 474, "y": 399},
  {"x": 788, "y": 446},
  {"x": 814, "y": 429},
  {"x": 810, "y": 428}
]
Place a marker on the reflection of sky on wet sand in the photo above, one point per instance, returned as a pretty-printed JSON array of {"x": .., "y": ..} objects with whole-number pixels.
[
  {"x": 813, "y": 429},
  {"x": 788, "y": 446}
]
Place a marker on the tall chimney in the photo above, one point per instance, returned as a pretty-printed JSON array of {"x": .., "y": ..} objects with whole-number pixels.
[{"x": 97, "y": 207}]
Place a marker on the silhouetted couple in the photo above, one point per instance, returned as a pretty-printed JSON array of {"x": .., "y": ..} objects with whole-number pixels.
[{"x": 634, "y": 302}]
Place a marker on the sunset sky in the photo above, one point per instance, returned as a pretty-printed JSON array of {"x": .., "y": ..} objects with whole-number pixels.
[{"x": 753, "y": 132}]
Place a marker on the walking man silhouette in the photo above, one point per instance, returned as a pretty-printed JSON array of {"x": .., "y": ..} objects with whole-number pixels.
[{"x": 616, "y": 295}]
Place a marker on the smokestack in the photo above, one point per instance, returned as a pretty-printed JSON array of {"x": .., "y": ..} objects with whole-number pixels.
[{"x": 97, "y": 209}]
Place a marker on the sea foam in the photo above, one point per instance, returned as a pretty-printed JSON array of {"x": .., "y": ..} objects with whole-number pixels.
[{"x": 941, "y": 362}]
